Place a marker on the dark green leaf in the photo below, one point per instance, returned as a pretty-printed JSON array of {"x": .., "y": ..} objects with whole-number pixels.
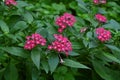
[
  {"x": 51, "y": 28},
  {"x": 28, "y": 17},
  {"x": 112, "y": 24},
  {"x": 19, "y": 26},
  {"x": 11, "y": 72},
  {"x": 44, "y": 32},
  {"x": 74, "y": 64},
  {"x": 111, "y": 57},
  {"x": 82, "y": 5},
  {"x": 53, "y": 62},
  {"x": 72, "y": 53},
  {"x": 35, "y": 74},
  {"x": 105, "y": 72},
  {"x": 112, "y": 47},
  {"x": 50, "y": 37},
  {"x": 89, "y": 34},
  {"x": 76, "y": 45},
  {"x": 35, "y": 56},
  {"x": 4, "y": 26},
  {"x": 15, "y": 51},
  {"x": 92, "y": 44},
  {"x": 21, "y": 4},
  {"x": 45, "y": 66}
]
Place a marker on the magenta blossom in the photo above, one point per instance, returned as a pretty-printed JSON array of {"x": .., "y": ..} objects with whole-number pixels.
[
  {"x": 32, "y": 41},
  {"x": 96, "y": 1},
  {"x": 61, "y": 44},
  {"x": 10, "y": 2},
  {"x": 100, "y": 18},
  {"x": 65, "y": 20},
  {"x": 99, "y": 1},
  {"x": 102, "y": 34}
]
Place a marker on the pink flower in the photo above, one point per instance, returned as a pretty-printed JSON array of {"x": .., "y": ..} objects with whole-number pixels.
[
  {"x": 61, "y": 44},
  {"x": 100, "y": 18},
  {"x": 33, "y": 40},
  {"x": 102, "y": 1},
  {"x": 96, "y": 1},
  {"x": 102, "y": 34},
  {"x": 99, "y": 1},
  {"x": 65, "y": 20},
  {"x": 10, "y": 2}
]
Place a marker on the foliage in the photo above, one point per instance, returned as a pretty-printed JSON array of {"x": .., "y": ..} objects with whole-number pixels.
[{"x": 98, "y": 60}]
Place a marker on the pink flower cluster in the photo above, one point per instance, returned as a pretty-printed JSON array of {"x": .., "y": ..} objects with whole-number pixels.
[
  {"x": 102, "y": 34},
  {"x": 9, "y": 2},
  {"x": 100, "y": 18},
  {"x": 61, "y": 44},
  {"x": 99, "y": 1},
  {"x": 65, "y": 20},
  {"x": 33, "y": 40}
]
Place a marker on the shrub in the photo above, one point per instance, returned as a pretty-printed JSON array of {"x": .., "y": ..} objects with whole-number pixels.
[{"x": 59, "y": 40}]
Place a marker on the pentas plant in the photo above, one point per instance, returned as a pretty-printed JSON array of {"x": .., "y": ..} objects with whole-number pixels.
[
  {"x": 99, "y": 1},
  {"x": 100, "y": 18},
  {"x": 61, "y": 44},
  {"x": 65, "y": 20},
  {"x": 33, "y": 40},
  {"x": 102, "y": 34},
  {"x": 10, "y": 2}
]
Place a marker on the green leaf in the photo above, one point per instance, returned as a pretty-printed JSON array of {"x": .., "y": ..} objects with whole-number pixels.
[
  {"x": 21, "y": 4},
  {"x": 112, "y": 47},
  {"x": 69, "y": 76},
  {"x": 62, "y": 70},
  {"x": 82, "y": 5},
  {"x": 45, "y": 66},
  {"x": 28, "y": 17},
  {"x": 72, "y": 53},
  {"x": 112, "y": 24},
  {"x": 51, "y": 28},
  {"x": 43, "y": 32},
  {"x": 61, "y": 7},
  {"x": 11, "y": 72},
  {"x": 15, "y": 51},
  {"x": 93, "y": 44},
  {"x": 90, "y": 18},
  {"x": 74, "y": 64},
  {"x": 53, "y": 62},
  {"x": 50, "y": 37},
  {"x": 89, "y": 34},
  {"x": 85, "y": 42},
  {"x": 105, "y": 72},
  {"x": 19, "y": 26},
  {"x": 80, "y": 21},
  {"x": 35, "y": 56},
  {"x": 58, "y": 77},
  {"x": 4, "y": 26},
  {"x": 35, "y": 74},
  {"x": 76, "y": 45},
  {"x": 102, "y": 10},
  {"x": 111, "y": 57}
]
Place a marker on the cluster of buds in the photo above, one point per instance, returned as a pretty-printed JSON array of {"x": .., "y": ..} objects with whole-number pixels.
[
  {"x": 61, "y": 44},
  {"x": 33, "y": 40},
  {"x": 99, "y": 1},
  {"x": 100, "y": 18},
  {"x": 65, "y": 20},
  {"x": 102, "y": 34},
  {"x": 10, "y": 2}
]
